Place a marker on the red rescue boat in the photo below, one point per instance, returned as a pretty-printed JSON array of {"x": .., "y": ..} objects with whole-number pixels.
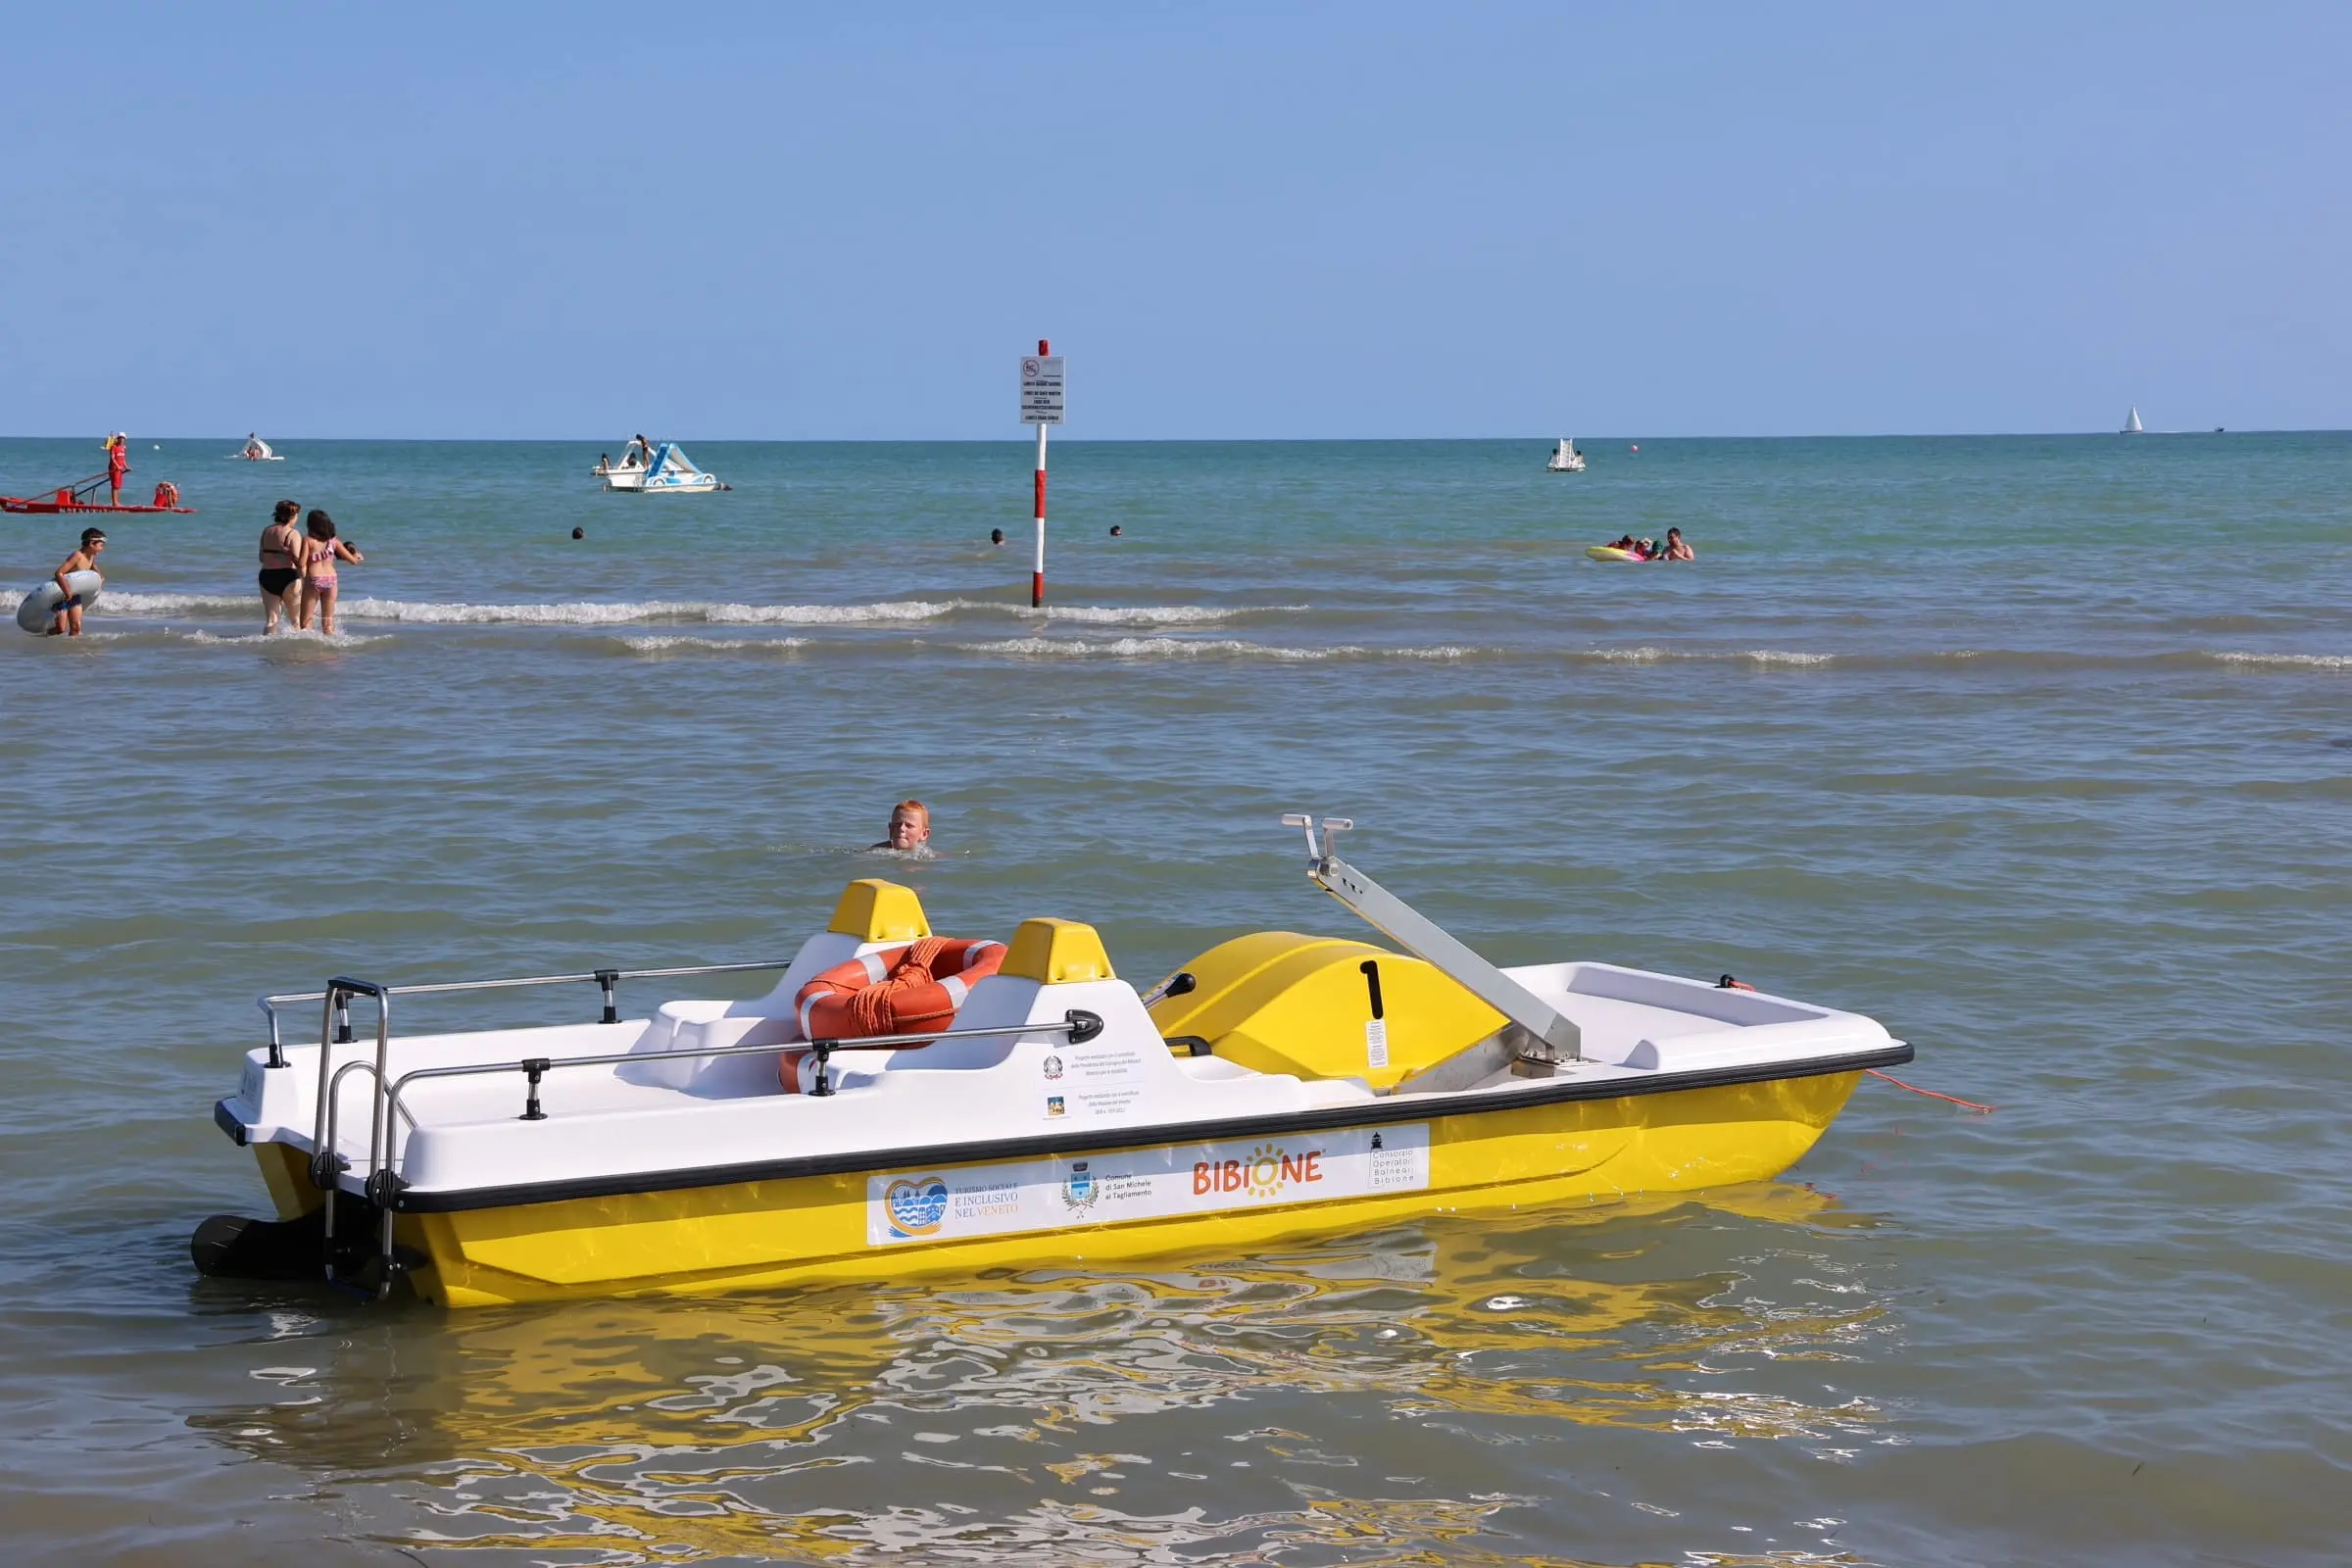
[{"x": 79, "y": 497}]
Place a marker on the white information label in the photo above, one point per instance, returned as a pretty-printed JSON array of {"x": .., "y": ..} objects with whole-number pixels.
[
  {"x": 1061, "y": 1192},
  {"x": 1376, "y": 1042},
  {"x": 1041, "y": 389}
]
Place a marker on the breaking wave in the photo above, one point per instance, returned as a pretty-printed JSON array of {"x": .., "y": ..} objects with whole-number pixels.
[
  {"x": 2330, "y": 662},
  {"x": 1151, "y": 640},
  {"x": 600, "y": 612},
  {"x": 285, "y": 638},
  {"x": 672, "y": 647},
  {"x": 1987, "y": 658},
  {"x": 1134, "y": 648},
  {"x": 1749, "y": 655}
]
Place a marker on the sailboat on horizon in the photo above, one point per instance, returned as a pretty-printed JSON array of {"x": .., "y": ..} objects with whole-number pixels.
[{"x": 2131, "y": 425}]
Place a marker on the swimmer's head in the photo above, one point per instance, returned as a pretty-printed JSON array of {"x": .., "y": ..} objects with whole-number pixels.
[
  {"x": 910, "y": 825},
  {"x": 1117, "y": 532},
  {"x": 93, "y": 538},
  {"x": 285, "y": 512},
  {"x": 579, "y": 533},
  {"x": 996, "y": 536}
]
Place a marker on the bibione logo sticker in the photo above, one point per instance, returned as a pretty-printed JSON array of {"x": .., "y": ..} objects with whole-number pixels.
[
  {"x": 1265, "y": 1173},
  {"x": 1170, "y": 1181},
  {"x": 916, "y": 1206}
]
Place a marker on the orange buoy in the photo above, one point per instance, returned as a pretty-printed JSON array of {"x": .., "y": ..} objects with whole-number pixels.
[{"x": 912, "y": 990}]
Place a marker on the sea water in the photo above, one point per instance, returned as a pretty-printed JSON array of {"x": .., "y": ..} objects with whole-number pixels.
[{"x": 2039, "y": 750}]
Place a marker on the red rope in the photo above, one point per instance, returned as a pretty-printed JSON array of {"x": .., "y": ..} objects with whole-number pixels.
[{"x": 1929, "y": 1093}]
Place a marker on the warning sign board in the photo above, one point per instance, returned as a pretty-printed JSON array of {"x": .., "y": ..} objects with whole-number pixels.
[{"x": 1041, "y": 389}]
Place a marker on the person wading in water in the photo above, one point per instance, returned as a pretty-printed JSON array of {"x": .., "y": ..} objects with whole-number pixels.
[{"x": 281, "y": 567}]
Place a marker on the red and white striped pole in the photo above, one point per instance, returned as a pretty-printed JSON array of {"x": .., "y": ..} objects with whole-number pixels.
[{"x": 1037, "y": 577}]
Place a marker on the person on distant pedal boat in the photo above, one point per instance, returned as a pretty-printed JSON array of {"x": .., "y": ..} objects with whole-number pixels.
[
  {"x": 68, "y": 622},
  {"x": 319, "y": 587},
  {"x": 1676, "y": 548},
  {"x": 117, "y": 463},
  {"x": 253, "y": 445},
  {"x": 281, "y": 567},
  {"x": 909, "y": 829},
  {"x": 604, "y": 463}
]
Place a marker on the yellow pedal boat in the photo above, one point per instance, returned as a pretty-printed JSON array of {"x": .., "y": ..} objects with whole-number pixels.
[{"x": 1279, "y": 1084}]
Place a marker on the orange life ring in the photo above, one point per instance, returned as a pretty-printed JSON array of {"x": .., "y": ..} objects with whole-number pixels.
[{"x": 912, "y": 990}]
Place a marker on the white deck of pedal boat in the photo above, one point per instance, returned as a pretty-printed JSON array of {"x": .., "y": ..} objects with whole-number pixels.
[{"x": 663, "y": 1112}]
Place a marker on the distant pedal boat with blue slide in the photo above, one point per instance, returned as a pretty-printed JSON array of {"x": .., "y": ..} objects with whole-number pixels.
[
  {"x": 669, "y": 472},
  {"x": 1565, "y": 458},
  {"x": 1045, "y": 1112}
]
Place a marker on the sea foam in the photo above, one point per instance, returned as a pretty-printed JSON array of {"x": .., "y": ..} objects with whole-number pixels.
[
  {"x": 1142, "y": 648},
  {"x": 622, "y": 613}
]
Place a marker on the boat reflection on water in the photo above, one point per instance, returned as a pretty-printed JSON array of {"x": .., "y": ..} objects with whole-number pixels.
[{"x": 1366, "y": 1391}]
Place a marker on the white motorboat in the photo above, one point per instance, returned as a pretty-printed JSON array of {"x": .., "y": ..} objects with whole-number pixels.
[
  {"x": 1043, "y": 1111},
  {"x": 1565, "y": 458}
]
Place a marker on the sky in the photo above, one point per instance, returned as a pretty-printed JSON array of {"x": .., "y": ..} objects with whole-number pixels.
[{"x": 1261, "y": 221}]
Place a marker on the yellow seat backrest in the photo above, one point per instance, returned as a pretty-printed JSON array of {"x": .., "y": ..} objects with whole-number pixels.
[{"x": 874, "y": 910}]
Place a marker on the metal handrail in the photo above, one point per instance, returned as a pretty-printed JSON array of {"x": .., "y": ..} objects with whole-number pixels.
[
  {"x": 606, "y": 979},
  {"x": 338, "y": 991},
  {"x": 1078, "y": 1024},
  {"x": 333, "y": 1110},
  {"x": 324, "y": 1158}
]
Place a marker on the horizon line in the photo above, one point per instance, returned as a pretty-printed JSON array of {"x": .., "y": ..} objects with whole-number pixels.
[{"x": 1220, "y": 440}]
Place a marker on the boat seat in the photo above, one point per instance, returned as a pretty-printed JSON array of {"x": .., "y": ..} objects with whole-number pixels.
[
  {"x": 1280, "y": 1002},
  {"x": 871, "y": 914}
]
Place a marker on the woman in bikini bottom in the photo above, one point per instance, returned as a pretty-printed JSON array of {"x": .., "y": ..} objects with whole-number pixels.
[{"x": 281, "y": 550}]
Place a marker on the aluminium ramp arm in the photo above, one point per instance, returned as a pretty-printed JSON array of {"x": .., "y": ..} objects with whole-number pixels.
[{"x": 1423, "y": 937}]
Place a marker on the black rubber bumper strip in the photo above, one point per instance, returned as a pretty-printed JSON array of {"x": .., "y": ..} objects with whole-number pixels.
[
  {"x": 935, "y": 1157},
  {"x": 227, "y": 1120}
]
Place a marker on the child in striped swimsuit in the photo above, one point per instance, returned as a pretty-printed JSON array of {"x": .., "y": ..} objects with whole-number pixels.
[{"x": 319, "y": 552}]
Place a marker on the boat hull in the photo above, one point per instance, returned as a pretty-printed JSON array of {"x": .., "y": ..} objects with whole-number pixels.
[
  {"x": 855, "y": 1225},
  {"x": 19, "y": 504}
]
